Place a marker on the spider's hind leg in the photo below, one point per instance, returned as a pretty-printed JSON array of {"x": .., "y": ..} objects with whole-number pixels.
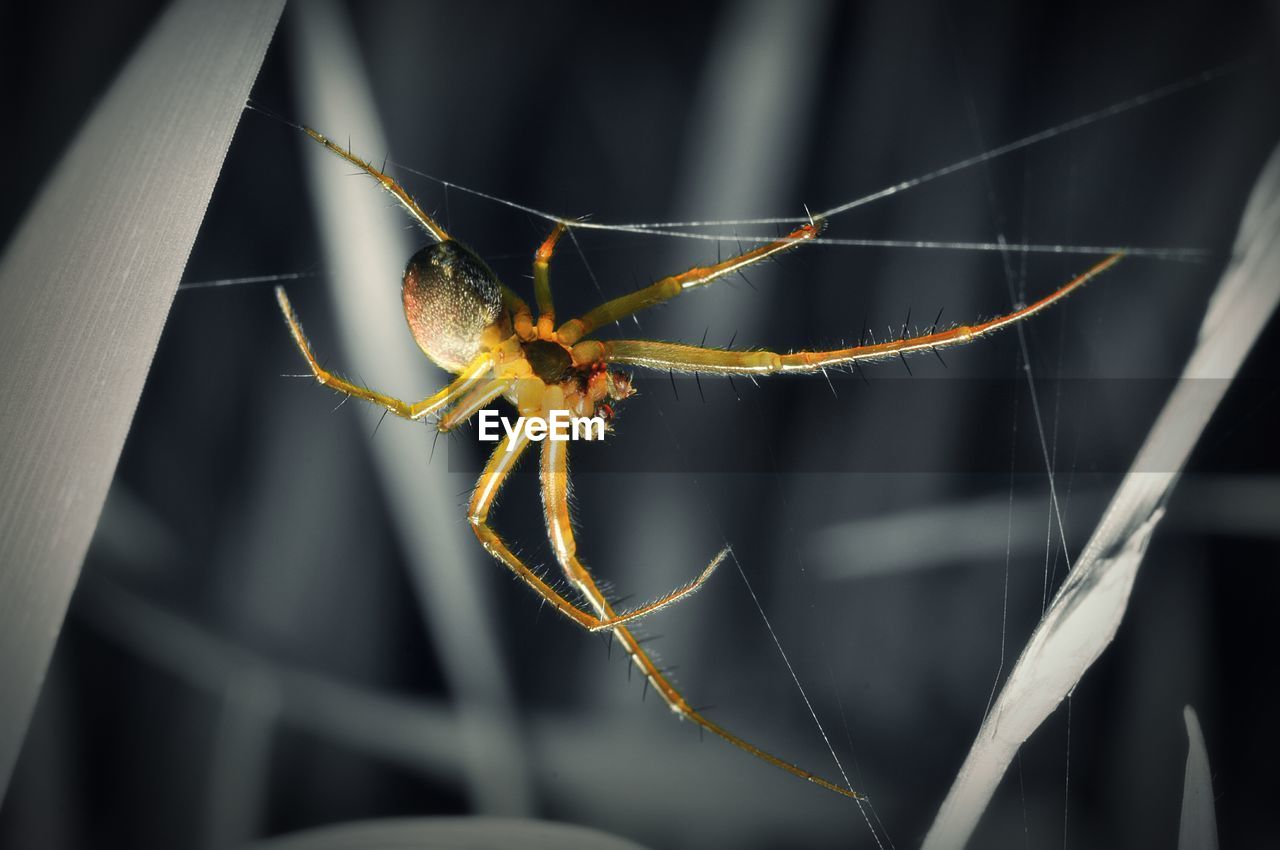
[
  {"x": 384, "y": 180},
  {"x": 555, "y": 506}
]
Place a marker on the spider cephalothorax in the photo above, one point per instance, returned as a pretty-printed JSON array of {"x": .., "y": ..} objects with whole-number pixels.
[
  {"x": 585, "y": 388},
  {"x": 466, "y": 321}
]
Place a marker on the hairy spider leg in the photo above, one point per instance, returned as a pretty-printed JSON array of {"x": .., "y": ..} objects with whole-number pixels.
[
  {"x": 669, "y": 287},
  {"x": 542, "y": 281},
  {"x": 521, "y": 315},
  {"x": 384, "y": 180},
  {"x": 417, "y": 410},
  {"x": 469, "y": 404},
  {"x": 555, "y": 503},
  {"x": 495, "y": 474},
  {"x": 468, "y": 397},
  {"x": 668, "y": 356}
]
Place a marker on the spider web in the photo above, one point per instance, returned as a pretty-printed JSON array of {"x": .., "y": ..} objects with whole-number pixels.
[{"x": 1048, "y": 437}]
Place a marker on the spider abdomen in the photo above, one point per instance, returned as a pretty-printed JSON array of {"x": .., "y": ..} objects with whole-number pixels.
[{"x": 450, "y": 297}]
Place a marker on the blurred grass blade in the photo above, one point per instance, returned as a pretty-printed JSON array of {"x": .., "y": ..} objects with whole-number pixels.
[
  {"x": 367, "y": 243},
  {"x": 735, "y": 162},
  {"x": 85, "y": 287},
  {"x": 423, "y": 736},
  {"x": 1199, "y": 827},
  {"x": 453, "y": 833},
  {"x": 889, "y": 546},
  {"x": 418, "y": 734},
  {"x": 1087, "y": 610}
]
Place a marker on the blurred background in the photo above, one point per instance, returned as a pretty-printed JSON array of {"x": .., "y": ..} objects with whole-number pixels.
[{"x": 284, "y": 621}]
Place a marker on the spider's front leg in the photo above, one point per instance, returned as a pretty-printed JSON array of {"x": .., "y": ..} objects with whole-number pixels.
[
  {"x": 555, "y": 501},
  {"x": 496, "y": 471},
  {"x": 542, "y": 281},
  {"x": 669, "y": 287},
  {"x": 677, "y": 357},
  {"x": 417, "y": 410}
]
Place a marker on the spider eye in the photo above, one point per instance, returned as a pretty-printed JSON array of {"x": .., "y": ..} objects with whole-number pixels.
[{"x": 450, "y": 297}]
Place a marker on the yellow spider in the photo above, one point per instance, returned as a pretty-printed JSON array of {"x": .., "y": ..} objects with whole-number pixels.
[{"x": 469, "y": 323}]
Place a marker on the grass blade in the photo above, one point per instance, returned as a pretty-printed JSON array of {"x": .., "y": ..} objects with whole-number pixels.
[
  {"x": 367, "y": 244},
  {"x": 1087, "y": 609},
  {"x": 85, "y": 286},
  {"x": 1199, "y": 827},
  {"x": 460, "y": 833}
]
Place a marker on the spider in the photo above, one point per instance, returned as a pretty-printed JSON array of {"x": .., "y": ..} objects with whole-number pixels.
[{"x": 470, "y": 324}]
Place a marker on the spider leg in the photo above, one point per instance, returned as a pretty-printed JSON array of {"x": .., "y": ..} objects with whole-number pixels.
[
  {"x": 397, "y": 191},
  {"x": 417, "y": 410},
  {"x": 555, "y": 506},
  {"x": 477, "y": 398},
  {"x": 521, "y": 317},
  {"x": 495, "y": 474},
  {"x": 669, "y": 287},
  {"x": 555, "y": 499},
  {"x": 542, "y": 281},
  {"x": 669, "y": 356}
]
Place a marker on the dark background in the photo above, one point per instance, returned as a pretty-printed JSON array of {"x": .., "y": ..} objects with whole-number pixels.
[{"x": 248, "y": 654}]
